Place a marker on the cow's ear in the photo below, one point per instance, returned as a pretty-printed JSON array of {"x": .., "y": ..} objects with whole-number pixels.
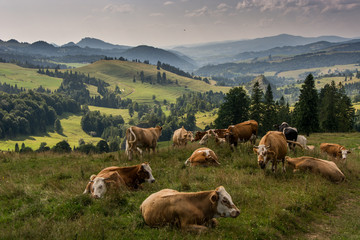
[
  {"x": 214, "y": 197},
  {"x": 255, "y": 150},
  {"x": 271, "y": 153},
  {"x": 92, "y": 177}
]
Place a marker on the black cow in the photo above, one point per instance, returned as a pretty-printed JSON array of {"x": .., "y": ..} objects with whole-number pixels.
[{"x": 289, "y": 132}]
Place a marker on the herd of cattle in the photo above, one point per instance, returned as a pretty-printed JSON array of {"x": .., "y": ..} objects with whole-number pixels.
[{"x": 196, "y": 211}]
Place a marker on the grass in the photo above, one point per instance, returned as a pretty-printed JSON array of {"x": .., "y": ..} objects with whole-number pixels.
[
  {"x": 41, "y": 195},
  {"x": 115, "y": 112},
  {"x": 26, "y": 77},
  {"x": 205, "y": 118},
  {"x": 72, "y": 133}
]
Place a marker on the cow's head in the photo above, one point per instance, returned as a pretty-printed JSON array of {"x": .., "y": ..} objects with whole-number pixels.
[
  {"x": 225, "y": 206},
  {"x": 189, "y": 136},
  {"x": 159, "y": 128},
  {"x": 343, "y": 152},
  {"x": 145, "y": 173},
  {"x": 229, "y": 133},
  {"x": 98, "y": 186},
  {"x": 197, "y": 136},
  {"x": 264, "y": 155}
]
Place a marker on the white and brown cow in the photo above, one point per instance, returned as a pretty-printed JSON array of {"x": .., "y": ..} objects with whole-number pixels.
[
  {"x": 211, "y": 134},
  {"x": 325, "y": 168},
  {"x": 203, "y": 157},
  {"x": 272, "y": 147},
  {"x": 119, "y": 177},
  {"x": 193, "y": 211},
  {"x": 334, "y": 150},
  {"x": 139, "y": 139},
  {"x": 182, "y": 136},
  {"x": 242, "y": 132}
]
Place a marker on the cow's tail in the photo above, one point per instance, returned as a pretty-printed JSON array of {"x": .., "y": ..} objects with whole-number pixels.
[
  {"x": 296, "y": 143},
  {"x": 132, "y": 133}
]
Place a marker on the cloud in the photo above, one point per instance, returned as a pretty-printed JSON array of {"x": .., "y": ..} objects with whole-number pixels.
[
  {"x": 222, "y": 7},
  {"x": 168, "y": 3},
  {"x": 156, "y": 14},
  {"x": 198, "y": 12},
  {"x": 112, "y": 8}
]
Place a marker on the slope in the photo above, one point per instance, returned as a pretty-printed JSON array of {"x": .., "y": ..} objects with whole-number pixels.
[{"x": 122, "y": 74}]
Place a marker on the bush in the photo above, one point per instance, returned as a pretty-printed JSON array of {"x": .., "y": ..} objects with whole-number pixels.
[{"x": 62, "y": 147}]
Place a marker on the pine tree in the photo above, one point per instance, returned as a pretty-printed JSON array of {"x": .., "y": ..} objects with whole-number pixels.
[
  {"x": 57, "y": 126},
  {"x": 235, "y": 108},
  {"x": 256, "y": 106},
  {"x": 269, "y": 118},
  {"x": 17, "y": 147},
  {"x": 306, "y": 109}
]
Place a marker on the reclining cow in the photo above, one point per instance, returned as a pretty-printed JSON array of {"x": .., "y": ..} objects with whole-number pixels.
[
  {"x": 194, "y": 211},
  {"x": 118, "y": 178},
  {"x": 272, "y": 147},
  {"x": 181, "y": 137},
  {"x": 202, "y": 157},
  {"x": 211, "y": 134},
  {"x": 325, "y": 168},
  {"x": 334, "y": 150},
  {"x": 139, "y": 139}
]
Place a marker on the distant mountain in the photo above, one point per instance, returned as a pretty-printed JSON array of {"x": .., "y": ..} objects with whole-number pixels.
[
  {"x": 97, "y": 43},
  {"x": 213, "y": 53},
  {"x": 153, "y": 55}
]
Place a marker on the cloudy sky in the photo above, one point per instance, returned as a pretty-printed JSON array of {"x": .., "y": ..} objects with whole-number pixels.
[{"x": 174, "y": 22}]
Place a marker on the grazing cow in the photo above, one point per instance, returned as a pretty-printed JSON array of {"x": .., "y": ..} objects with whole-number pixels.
[
  {"x": 203, "y": 157},
  {"x": 138, "y": 139},
  {"x": 334, "y": 150},
  {"x": 289, "y": 132},
  {"x": 325, "y": 168},
  {"x": 117, "y": 177},
  {"x": 242, "y": 132},
  {"x": 220, "y": 132},
  {"x": 193, "y": 211},
  {"x": 211, "y": 134},
  {"x": 272, "y": 147},
  {"x": 181, "y": 136},
  {"x": 301, "y": 139}
]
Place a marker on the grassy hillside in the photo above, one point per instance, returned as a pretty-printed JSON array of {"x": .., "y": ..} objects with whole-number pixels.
[
  {"x": 41, "y": 196},
  {"x": 121, "y": 73},
  {"x": 72, "y": 133},
  {"x": 26, "y": 77}
]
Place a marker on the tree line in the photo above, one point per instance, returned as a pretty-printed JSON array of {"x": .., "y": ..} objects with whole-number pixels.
[
  {"x": 32, "y": 112},
  {"x": 329, "y": 110}
]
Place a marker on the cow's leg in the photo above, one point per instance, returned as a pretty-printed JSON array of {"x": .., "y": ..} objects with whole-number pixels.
[
  {"x": 283, "y": 165},
  {"x": 194, "y": 228},
  {"x": 274, "y": 165}
]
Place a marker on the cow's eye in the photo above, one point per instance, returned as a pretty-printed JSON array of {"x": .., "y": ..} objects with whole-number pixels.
[{"x": 100, "y": 187}]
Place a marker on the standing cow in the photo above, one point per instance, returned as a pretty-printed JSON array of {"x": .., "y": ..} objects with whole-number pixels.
[
  {"x": 138, "y": 139},
  {"x": 194, "y": 211},
  {"x": 334, "y": 150},
  {"x": 245, "y": 131},
  {"x": 182, "y": 136},
  {"x": 272, "y": 147}
]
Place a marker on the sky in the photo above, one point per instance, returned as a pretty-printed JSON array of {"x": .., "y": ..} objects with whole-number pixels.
[{"x": 162, "y": 23}]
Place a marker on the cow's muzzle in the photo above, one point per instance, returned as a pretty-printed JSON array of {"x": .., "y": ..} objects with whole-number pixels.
[{"x": 235, "y": 213}]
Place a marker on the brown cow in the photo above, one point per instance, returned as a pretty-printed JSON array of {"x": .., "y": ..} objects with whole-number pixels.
[
  {"x": 242, "y": 132},
  {"x": 334, "y": 150},
  {"x": 325, "y": 168},
  {"x": 138, "y": 139},
  {"x": 203, "y": 157},
  {"x": 272, "y": 147},
  {"x": 181, "y": 136},
  {"x": 198, "y": 135},
  {"x": 117, "y": 177},
  {"x": 194, "y": 211}
]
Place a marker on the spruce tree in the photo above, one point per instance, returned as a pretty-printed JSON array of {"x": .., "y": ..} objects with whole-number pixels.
[
  {"x": 306, "y": 109},
  {"x": 269, "y": 118},
  {"x": 256, "y": 108}
]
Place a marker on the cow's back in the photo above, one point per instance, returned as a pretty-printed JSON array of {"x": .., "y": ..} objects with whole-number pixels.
[{"x": 277, "y": 142}]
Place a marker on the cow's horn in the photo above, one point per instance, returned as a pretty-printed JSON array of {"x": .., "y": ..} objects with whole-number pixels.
[{"x": 256, "y": 147}]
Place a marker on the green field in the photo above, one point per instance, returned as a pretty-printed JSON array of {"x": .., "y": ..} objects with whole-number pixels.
[
  {"x": 115, "y": 112},
  {"x": 41, "y": 196},
  {"x": 72, "y": 133},
  {"x": 26, "y": 77},
  {"x": 205, "y": 118},
  {"x": 121, "y": 74}
]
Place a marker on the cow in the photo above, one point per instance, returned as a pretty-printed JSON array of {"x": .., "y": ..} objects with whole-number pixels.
[
  {"x": 199, "y": 135},
  {"x": 202, "y": 157},
  {"x": 272, "y": 147},
  {"x": 193, "y": 211},
  {"x": 138, "y": 139},
  {"x": 181, "y": 136},
  {"x": 334, "y": 150},
  {"x": 325, "y": 168},
  {"x": 301, "y": 139},
  {"x": 119, "y": 177},
  {"x": 211, "y": 134},
  {"x": 245, "y": 131},
  {"x": 289, "y": 132}
]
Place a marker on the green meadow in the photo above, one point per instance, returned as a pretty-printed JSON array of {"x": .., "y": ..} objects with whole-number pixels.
[
  {"x": 41, "y": 195},
  {"x": 26, "y": 77}
]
